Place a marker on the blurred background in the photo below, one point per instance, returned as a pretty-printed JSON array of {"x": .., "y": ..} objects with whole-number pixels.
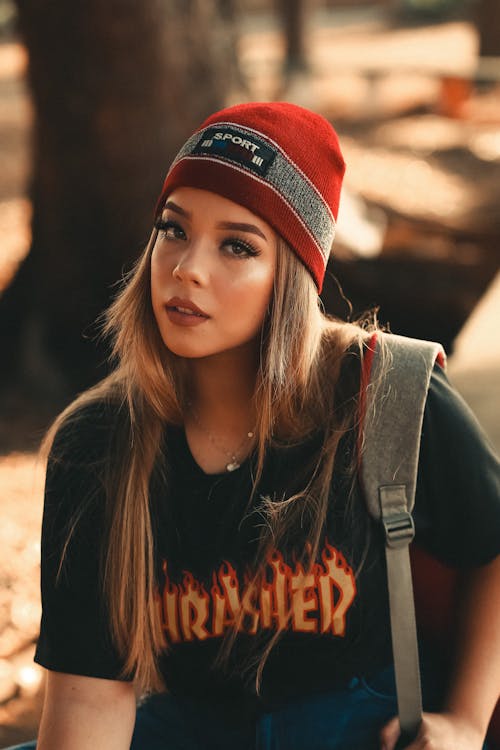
[{"x": 95, "y": 100}]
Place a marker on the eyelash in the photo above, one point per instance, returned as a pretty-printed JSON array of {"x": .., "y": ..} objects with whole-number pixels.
[
  {"x": 163, "y": 226},
  {"x": 250, "y": 250}
]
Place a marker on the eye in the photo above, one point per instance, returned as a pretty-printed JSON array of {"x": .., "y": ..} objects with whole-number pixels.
[
  {"x": 239, "y": 248},
  {"x": 170, "y": 230}
]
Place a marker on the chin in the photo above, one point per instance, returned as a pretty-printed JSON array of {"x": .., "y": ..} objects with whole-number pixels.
[
  {"x": 186, "y": 352},
  {"x": 186, "y": 349},
  {"x": 193, "y": 352}
]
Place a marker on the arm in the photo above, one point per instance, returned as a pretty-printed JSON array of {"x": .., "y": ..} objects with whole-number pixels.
[
  {"x": 85, "y": 713},
  {"x": 475, "y": 687}
]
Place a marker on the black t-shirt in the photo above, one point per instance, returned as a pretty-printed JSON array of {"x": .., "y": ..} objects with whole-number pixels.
[{"x": 206, "y": 537}]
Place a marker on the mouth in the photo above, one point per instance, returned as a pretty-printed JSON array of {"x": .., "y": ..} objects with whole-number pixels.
[
  {"x": 185, "y": 308},
  {"x": 185, "y": 311}
]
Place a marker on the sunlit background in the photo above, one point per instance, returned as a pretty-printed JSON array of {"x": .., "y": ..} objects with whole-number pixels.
[{"x": 94, "y": 102}]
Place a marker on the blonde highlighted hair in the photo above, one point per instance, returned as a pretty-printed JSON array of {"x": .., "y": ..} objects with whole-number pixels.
[{"x": 298, "y": 390}]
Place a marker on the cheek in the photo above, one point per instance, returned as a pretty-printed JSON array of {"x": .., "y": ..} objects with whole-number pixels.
[{"x": 250, "y": 298}]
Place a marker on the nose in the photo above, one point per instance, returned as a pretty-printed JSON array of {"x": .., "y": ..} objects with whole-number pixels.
[{"x": 192, "y": 264}]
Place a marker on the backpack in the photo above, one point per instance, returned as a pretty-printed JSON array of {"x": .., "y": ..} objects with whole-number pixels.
[{"x": 395, "y": 380}]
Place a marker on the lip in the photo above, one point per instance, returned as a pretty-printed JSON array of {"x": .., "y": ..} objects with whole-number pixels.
[{"x": 184, "y": 312}]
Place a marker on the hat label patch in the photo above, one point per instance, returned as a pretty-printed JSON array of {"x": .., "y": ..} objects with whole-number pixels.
[{"x": 243, "y": 149}]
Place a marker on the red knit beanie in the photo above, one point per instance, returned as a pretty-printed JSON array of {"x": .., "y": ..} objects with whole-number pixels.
[{"x": 280, "y": 161}]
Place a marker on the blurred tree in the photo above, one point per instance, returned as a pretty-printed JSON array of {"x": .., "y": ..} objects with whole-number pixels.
[
  {"x": 293, "y": 13},
  {"x": 116, "y": 87},
  {"x": 488, "y": 23}
]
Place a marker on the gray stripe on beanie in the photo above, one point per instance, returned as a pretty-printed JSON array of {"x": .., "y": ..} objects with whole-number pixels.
[
  {"x": 289, "y": 182},
  {"x": 298, "y": 192}
]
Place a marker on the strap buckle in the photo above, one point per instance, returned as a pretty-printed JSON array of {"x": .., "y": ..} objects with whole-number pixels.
[{"x": 399, "y": 529}]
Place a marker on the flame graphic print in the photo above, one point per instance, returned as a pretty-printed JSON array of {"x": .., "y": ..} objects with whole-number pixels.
[{"x": 289, "y": 598}]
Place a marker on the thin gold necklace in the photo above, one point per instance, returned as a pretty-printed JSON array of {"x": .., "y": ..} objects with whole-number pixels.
[{"x": 234, "y": 462}]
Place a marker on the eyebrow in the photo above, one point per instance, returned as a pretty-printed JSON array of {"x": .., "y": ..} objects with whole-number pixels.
[
  {"x": 242, "y": 227},
  {"x": 235, "y": 225},
  {"x": 177, "y": 209}
]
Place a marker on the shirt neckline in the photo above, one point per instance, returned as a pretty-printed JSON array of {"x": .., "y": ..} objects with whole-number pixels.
[{"x": 183, "y": 442}]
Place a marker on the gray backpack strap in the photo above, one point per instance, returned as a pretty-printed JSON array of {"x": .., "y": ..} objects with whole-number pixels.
[{"x": 394, "y": 401}]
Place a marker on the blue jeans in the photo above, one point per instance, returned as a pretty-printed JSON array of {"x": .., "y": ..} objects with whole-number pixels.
[
  {"x": 348, "y": 719},
  {"x": 343, "y": 720}
]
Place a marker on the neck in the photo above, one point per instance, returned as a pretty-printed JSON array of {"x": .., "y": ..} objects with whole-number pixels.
[{"x": 223, "y": 386}]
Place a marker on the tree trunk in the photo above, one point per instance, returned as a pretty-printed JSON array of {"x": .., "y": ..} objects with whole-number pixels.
[
  {"x": 488, "y": 25},
  {"x": 117, "y": 87},
  {"x": 293, "y": 13}
]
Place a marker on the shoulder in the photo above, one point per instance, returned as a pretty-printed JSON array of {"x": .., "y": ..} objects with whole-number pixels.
[
  {"x": 442, "y": 397},
  {"x": 86, "y": 430},
  {"x": 458, "y": 488},
  {"x": 78, "y": 467},
  {"x": 415, "y": 369},
  {"x": 85, "y": 444},
  {"x": 452, "y": 435},
  {"x": 447, "y": 412}
]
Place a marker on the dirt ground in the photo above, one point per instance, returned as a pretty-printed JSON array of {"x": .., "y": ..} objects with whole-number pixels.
[
  {"x": 21, "y": 482},
  {"x": 340, "y": 83}
]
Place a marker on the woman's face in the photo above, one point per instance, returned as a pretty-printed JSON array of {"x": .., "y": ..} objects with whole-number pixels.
[{"x": 212, "y": 272}]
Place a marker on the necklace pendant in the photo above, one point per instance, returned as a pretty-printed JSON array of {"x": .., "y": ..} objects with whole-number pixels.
[{"x": 232, "y": 466}]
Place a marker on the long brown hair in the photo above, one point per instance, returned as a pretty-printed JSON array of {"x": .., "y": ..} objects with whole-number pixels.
[{"x": 298, "y": 390}]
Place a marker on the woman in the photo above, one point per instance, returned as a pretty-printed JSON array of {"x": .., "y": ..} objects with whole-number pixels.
[{"x": 205, "y": 542}]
